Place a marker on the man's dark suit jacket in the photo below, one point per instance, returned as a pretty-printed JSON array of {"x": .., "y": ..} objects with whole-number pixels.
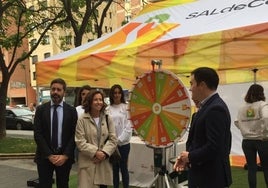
[
  {"x": 209, "y": 145},
  {"x": 42, "y": 131}
]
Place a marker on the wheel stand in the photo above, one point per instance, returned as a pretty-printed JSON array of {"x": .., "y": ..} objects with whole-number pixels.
[{"x": 161, "y": 179}]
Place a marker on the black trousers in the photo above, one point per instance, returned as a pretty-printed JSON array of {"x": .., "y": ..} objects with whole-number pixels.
[
  {"x": 251, "y": 148},
  {"x": 45, "y": 172}
]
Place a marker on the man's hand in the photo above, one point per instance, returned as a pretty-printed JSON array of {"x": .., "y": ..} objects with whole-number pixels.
[
  {"x": 184, "y": 156},
  {"x": 58, "y": 160},
  {"x": 179, "y": 165}
]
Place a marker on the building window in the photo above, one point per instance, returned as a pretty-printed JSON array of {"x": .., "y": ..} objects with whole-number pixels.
[
  {"x": 96, "y": 12},
  {"x": 111, "y": 29},
  {"x": 34, "y": 75},
  {"x": 44, "y": 4},
  {"x": 45, "y": 40},
  {"x": 33, "y": 42},
  {"x": 31, "y": 7},
  {"x": 34, "y": 59},
  {"x": 128, "y": 18},
  {"x": 46, "y": 55},
  {"x": 45, "y": 23},
  {"x": 68, "y": 40},
  {"x": 96, "y": 28},
  {"x": 110, "y": 15},
  {"x": 106, "y": 29}
]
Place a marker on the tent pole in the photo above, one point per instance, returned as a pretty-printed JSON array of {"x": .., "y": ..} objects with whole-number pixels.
[
  {"x": 255, "y": 75},
  {"x": 156, "y": 62}
]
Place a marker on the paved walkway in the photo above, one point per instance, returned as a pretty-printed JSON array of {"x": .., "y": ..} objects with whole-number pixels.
[
  {"x": 16, "y": 172},
  {"x": 17, "y": 169}
]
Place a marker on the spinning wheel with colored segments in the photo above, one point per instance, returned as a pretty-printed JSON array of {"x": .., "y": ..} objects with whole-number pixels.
[{"x": 160, "y": 108}]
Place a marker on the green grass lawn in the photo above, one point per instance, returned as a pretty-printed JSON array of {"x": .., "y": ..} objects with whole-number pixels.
[
  {"x": 19, "y": 145},
  {"x": 239, "y": 179}
]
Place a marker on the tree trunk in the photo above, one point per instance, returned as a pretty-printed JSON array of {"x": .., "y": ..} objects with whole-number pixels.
[{"x": 3, "y": 96}]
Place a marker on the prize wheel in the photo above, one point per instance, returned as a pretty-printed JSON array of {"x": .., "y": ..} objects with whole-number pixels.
[{"x": 160, "y": 108}]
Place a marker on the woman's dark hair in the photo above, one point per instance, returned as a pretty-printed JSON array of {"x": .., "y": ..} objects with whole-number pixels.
[
  {"x": 111, "y": 94},
  {"x": 78, "y": 97},
  {"x": 89, "y": 100},
  {"x": 255, "y": 93}
]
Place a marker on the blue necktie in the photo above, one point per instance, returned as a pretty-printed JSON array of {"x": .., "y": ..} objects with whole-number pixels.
[{"x": 55, "y": 127}]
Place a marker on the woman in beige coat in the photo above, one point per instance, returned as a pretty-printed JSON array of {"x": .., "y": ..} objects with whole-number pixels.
[{"x": 95, "y": 143}]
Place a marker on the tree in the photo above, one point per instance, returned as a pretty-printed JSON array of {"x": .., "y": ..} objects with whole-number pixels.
[
  {"x": 17, "y": 24},
  {"x": 85, "y": 16}
]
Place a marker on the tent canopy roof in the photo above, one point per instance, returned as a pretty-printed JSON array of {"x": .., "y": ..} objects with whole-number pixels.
[{"x": 230, "y": 36}]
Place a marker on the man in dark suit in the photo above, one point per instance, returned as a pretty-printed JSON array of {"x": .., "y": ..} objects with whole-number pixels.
[
  {"x": 209, "y": 141},
  {"x": 57, "y": 153}
]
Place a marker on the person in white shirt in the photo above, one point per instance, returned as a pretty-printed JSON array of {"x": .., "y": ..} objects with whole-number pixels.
[
  {"x": 84, "y": 90},
  {"x": 252, "y": 121},
  {"x": 118, "y": 111}
]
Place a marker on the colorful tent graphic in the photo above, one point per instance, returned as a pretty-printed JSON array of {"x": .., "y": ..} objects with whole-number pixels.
[{"x": 230, "y": 36}]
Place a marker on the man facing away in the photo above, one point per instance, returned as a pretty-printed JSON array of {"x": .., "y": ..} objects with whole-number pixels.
[
  {"x": 209, "y": 141},
  {"x": 54, "y": 127}
]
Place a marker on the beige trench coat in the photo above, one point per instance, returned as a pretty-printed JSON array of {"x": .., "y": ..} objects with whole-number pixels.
[{"x": 90, "y": 174}]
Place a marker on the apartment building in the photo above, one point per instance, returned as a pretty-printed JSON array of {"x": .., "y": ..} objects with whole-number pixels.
[
  {"x": 117, "y": 15},
  {"x": 20, "y": 90}
]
